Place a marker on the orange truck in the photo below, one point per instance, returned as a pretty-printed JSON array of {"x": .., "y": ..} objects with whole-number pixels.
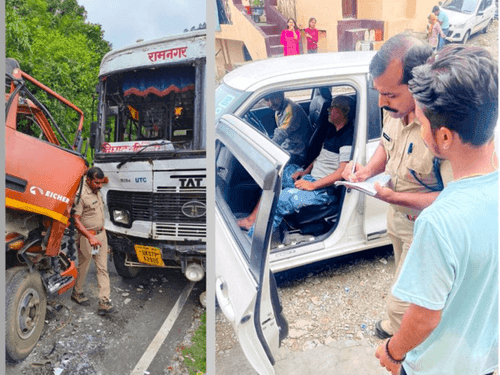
[{"x": 43, "y": 176}]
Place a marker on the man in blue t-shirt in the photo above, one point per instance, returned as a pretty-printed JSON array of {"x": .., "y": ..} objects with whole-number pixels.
[
  {"x": 450, "y": 275},
  {"x": 445, "y": 25}
]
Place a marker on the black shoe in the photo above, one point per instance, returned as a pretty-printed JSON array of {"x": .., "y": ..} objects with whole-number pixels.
[{"x": 380, "y": 332}]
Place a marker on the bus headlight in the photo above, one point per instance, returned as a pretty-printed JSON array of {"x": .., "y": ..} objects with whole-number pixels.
[
  {"x": 194, "y": 272},
  {"x": 121, "y": 216}
]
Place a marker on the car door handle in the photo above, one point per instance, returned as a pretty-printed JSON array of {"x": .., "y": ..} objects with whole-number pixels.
[{"x": 223, "y": 299}]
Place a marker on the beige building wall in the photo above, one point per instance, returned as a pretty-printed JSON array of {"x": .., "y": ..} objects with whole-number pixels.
[
  {"x": 399, "y": 15},
  {"x": 327, "y": 14},
  {"x": 242, "y": 30},
  {"x": 227, "y": 50}
]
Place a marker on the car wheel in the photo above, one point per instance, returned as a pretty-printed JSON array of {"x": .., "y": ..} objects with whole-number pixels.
[
  {"x": 121, "y": 269},
  {"x": 487, "y": 28},
  {"x": 25, "y": 305},
  {"x": 466, "y": 37}
]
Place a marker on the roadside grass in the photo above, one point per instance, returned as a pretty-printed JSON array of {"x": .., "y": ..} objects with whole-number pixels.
[{"x": 195, "y": 357}]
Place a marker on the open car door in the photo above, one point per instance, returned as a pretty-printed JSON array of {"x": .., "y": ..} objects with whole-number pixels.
[{"x": 245, "y": 287}]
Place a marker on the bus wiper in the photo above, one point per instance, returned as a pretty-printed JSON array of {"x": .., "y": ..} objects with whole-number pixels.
[{"x": 122, "y": 163}]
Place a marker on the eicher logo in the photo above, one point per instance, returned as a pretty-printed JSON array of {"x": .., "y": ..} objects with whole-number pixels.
[
  {"x": 194, "y": 209},
  {"x": 35, "y": 190},
  {"x": 190, "y": 182},
  {"x": 140, "y": 180}
]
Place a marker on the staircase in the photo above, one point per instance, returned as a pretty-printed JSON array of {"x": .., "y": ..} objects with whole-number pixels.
[{"x": 273, "y": 34}]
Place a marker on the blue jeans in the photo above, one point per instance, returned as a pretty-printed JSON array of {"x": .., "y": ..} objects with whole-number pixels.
[
  {"x": 441, "y": 41},
  {"x": 292, "y": 199}
]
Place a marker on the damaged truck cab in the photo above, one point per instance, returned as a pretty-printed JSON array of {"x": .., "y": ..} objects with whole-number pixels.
[
  {"x": 43, "y": 175},
  {"x": 149, "y": 140}
]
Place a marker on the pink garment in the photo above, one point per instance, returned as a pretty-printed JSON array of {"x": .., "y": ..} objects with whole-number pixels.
[
  {"x": 436, "y": 30},
  {"x": 290, "y": 44},
  {"x": 312, "y": 43}
]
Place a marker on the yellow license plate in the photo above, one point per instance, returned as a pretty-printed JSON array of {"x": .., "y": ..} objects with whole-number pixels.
[{"x": 149, "y": 255}]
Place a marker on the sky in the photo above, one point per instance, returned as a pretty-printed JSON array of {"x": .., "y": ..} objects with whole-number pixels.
[{"x": 126, "y": 21}]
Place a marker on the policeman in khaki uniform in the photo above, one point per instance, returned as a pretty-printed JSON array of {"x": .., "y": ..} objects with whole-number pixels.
[
  {"x": 416, "y": 176},
  {"x": 92, "y": 241}
]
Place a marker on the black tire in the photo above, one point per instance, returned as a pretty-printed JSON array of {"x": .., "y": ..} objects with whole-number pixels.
[
  {"x": 466, "y": 37},
  {"x": 25, "y": 305},
  {"x": 123, "y": 270}
]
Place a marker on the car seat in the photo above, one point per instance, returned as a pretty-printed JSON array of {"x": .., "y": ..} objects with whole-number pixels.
[{"x": 318, "y": 117}]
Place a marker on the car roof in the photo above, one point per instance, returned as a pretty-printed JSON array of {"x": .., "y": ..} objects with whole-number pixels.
[{"x": 255, "y": 75}]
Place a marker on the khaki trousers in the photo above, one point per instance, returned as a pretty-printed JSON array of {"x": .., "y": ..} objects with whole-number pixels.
[
  {"x": 101, "y": 262},
  {"x": 400, "y": 231}
]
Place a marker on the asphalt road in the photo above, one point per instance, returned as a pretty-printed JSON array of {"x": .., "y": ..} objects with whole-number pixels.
[{"x": 150, "y": 322}]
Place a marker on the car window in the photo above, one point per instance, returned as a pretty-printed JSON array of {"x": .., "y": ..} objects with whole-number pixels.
[
  {"x": 299, "y": 95},
  {"x": 464, "y": 6}
]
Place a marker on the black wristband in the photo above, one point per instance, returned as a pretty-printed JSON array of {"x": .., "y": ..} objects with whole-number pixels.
[{"x": 391, "y": 358}]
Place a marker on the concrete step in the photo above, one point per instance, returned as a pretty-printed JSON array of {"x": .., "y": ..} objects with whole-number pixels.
[
  {"x": 270, "y": 29},
  {"x": 277, "y": 50},
  {"x": 274, "y": 40}
]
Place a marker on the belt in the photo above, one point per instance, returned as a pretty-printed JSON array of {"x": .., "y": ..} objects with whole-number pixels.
[
  {"x": 95, "y": 232},
  {"x": 411, "y": 217}
]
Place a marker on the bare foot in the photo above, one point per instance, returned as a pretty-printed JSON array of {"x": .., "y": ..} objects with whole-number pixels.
[{"x": 246, "y": 223}]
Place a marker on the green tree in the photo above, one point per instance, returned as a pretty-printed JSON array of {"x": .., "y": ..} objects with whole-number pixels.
[{"x": 54, "y": 44}]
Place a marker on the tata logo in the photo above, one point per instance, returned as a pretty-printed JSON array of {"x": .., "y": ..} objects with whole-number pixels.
[
  {"x": 140, "y": 180},
  {"x": 35, "y": 190},
  {"x": 194, "y": 209},
  {"x": 190, "y": 182}
]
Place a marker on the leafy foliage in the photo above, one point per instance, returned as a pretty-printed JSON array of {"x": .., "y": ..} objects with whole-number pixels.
[
  {"x": 196, "y": 353},
  {"x": 54, "y": 44}
]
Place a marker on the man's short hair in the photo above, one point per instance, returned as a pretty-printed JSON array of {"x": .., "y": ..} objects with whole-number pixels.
[
  {"x": 278, "y": 94},
  {"x": 346, "y": 106},
  {"x": 95, "y": 172},
  {"x": 435, "y": 9},
  {"x": 410, "y": 50},
  {"x": 458, "y": 89}
]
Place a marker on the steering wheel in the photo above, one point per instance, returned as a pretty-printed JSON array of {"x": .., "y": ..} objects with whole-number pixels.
[{"x": 255, "y": 121}]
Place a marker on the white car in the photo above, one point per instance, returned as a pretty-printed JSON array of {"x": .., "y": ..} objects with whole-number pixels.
[
  {"x": 468, "y": 17},
  {"x": 249, "y": 167}
]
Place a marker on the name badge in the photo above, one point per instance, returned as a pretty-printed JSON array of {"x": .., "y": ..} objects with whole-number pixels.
[{"x": 386, "y": 136}]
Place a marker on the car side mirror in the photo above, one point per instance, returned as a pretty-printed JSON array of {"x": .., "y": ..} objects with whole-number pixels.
[
  {"x": 93, "y": 134},
  {"x": 480, "y": 13}
]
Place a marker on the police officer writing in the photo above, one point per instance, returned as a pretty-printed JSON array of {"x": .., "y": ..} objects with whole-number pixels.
[
  {"x": 92, "y": 241},
  {"x": 416, "y": 176}
]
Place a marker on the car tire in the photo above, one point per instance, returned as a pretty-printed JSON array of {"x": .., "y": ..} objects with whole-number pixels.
[
  {"x": 466, "y": 37},
  {"x": 25, "y": 308},
  {"x": 121, "y": 269},
  {"x": 487, "y": 28}
]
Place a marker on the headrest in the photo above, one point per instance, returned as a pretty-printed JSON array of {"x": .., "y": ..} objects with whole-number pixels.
[{"x": 324, "y": 92}]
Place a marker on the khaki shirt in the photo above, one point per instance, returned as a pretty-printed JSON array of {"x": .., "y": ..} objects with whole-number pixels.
[
  {"x": 401, "y": 158},
  {"x": 90, "y": 208}
]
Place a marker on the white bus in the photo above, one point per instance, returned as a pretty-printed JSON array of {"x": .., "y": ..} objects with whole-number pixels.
[{"x": 150, "y": 141}]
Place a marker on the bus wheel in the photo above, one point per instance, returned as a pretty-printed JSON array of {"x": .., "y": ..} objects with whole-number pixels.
[{"x": 124, "y": 271}]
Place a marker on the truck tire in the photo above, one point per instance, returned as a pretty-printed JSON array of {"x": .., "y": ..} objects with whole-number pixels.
[
  {"x": 25, "y": 304},
  {"x": 123, "y": 270}
]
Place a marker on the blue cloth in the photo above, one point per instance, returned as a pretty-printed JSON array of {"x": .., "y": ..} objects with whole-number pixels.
[
  {"x": 452, "y": 265},
  {"x": 443, "y": 19}
]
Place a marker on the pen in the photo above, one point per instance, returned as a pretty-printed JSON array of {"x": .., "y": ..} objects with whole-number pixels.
[{"x": 354, "y": 161}]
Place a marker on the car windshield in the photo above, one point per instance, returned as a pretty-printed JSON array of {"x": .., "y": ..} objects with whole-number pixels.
[
  {"x": 227, "y": 99},
  {"x": 462, "y": 6}
]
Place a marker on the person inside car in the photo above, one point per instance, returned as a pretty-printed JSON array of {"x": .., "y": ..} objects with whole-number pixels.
[
  {"x": 292, "y": 134},
  {"x": 315, "y": 184}
]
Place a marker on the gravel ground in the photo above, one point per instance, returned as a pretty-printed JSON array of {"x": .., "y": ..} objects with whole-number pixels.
[{"x": 342, "y": 298}]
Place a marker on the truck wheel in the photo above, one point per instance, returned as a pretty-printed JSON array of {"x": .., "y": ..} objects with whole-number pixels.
[
  {"x": 123, "y": 270},
  {"x": 25, "y": 304}
]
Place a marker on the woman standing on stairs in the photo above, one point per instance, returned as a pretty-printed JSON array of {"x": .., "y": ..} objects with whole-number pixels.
[
  {"x": 290, "y": 38},
  {"x": 312, "y": 36}
]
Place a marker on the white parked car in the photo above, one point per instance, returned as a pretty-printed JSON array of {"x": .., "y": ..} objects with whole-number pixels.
[
  {"x": 468, "y": 17},
  {"x": 249, "y": 167}
]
